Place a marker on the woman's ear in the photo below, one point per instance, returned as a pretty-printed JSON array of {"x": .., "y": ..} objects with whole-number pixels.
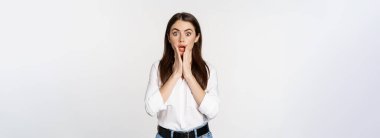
[
  {"x": 196, "y": 38},
  {"x": 168, "y": 38}
]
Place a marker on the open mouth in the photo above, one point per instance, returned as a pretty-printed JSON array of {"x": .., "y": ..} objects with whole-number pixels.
[{"x": 181, "y": 48}]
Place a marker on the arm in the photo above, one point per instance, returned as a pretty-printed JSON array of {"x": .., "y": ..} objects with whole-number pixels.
[
  {"x": 210, "y": 103},
  {"x": 196, "y": 89},
  {"x": 167, "y": 88},
  {"x": 153, "y": 99},
  {"x": 207, "y": 100},
  {"x": 157, "y": 96}
]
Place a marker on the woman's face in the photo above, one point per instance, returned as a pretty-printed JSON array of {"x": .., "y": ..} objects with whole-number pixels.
[{"x": 182, "y": 35}]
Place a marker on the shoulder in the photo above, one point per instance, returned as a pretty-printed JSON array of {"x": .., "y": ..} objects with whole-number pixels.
[{"x": 155, "y": 64}]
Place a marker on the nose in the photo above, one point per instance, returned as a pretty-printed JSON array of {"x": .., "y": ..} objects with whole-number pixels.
[{"x": 181, "y": 38}]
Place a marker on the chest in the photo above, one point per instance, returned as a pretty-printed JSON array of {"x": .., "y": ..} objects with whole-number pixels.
[{"x": 181, "y": 95}]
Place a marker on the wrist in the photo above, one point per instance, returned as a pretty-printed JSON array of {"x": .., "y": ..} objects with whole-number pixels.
[
  {"x": 188, "y": 76},
  {"x": 176, "y": 75}
]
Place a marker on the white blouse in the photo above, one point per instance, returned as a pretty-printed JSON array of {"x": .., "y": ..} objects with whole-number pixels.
[{"x": 180, "y": 112}]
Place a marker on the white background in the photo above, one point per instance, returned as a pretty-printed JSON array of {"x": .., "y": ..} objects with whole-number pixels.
[{"x": 287, "y": 69}]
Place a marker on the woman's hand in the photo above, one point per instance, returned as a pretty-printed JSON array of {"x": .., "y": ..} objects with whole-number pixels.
[
  {"x": 177, "y": 66},
  {"x": 187, "y": 57}
]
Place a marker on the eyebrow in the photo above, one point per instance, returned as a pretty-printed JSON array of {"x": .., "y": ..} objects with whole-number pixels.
[{"x": 185, "y": 30}]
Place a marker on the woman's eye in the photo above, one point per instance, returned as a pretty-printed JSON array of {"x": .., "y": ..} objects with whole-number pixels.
[
  {"x": 188, "y": 34},
  {"x": 174, "y": 33}
]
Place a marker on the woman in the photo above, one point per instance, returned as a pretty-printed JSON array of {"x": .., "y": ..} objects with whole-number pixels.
[{"x": 182, "y": 87}]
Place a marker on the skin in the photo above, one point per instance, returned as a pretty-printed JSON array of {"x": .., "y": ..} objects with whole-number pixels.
[{"x": 183, "y": 33}]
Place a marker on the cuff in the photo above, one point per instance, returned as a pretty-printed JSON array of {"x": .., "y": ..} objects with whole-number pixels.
[
  {"x": 155, "y": 104},
  {"x": 209, "y": 106}
]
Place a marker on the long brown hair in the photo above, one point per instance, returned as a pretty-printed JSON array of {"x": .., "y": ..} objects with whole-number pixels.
[{"x": 199, "y": 67}]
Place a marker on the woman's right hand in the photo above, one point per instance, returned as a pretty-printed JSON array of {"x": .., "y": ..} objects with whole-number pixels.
[
  {"x": 166, "y": 89},
  {"x": 177, "y": 66}
]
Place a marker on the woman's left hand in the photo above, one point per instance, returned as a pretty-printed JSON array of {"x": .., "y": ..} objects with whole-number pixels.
[{"x": 186, "y": 65}]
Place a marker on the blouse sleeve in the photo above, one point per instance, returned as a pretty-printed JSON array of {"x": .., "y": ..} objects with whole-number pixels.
[
  {"x": 153, "y": 98},
  {"x": 210, "y": 103}
]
